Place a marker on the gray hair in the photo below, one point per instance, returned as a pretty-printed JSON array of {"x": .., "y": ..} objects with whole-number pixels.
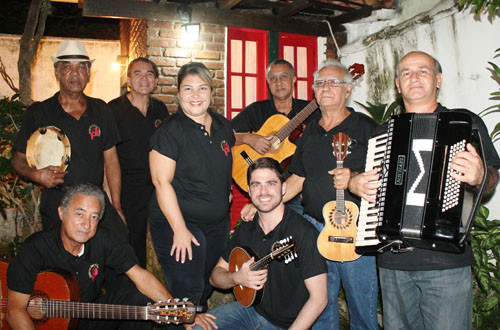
[
  {"x": 437, "y": 65},
  {"x": 329, "y": 62},
  {"x": 280, "y": 61},
  {"x": 86, "y": 189}
]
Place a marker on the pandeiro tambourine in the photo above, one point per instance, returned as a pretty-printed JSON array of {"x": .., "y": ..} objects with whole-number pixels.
[{"x": 48, "y": 146}]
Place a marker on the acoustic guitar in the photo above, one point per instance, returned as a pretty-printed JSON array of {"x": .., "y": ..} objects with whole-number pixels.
[
  {"x": 280, "y": 128},
  {"x": 53, "y": 304},
  {"x": 337, "y": 240},
  {"x": 284, "y": 249}
]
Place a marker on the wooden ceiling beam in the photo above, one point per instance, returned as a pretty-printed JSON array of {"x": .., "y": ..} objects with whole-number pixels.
[
  {"x": 332, "y": 6},
  {"x": 168, "y": 12},
  {"x": 227, "y": 4},
  {"x": 349, "y": 17},
  {"x": 292, "y": 9}
]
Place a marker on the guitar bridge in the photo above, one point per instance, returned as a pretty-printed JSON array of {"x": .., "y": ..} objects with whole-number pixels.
[
  {"x": 341, "y": 239},
  {"x": 247, "y": 158}
]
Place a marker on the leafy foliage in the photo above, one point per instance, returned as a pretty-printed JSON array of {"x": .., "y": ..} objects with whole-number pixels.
[
  {"x": 486, "y": 247},
  {"x": 495, "y": 71},
  {"x": 381, "y": 112},
  {"x": 481, "y": 5}
]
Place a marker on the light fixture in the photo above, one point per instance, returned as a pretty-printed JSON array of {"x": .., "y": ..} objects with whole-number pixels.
[
  {"x": 121, "y": 60},
  {"x": 191, "y": 30}
]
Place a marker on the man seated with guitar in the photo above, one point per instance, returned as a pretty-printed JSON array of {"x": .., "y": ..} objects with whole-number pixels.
[
  {"x": 316, "y": 173},
  {"x": 295, "y": 289},
  {"x": 78, "y": 247}
]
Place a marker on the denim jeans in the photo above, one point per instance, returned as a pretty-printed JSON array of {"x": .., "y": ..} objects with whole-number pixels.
[
  {"x": 432, "y": 299},
  {"x": 233, "y": 316},
  {"x": 359, "y": 280}
]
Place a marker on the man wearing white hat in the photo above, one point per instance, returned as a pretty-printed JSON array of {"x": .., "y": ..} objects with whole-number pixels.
[{"x": 88, "y": 123}]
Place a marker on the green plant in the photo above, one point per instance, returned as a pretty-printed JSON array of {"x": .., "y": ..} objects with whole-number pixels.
[
  {"x": 495, "y": 71},
  {"x": 14, "y": 192},
  {"x": 381, "y": 112},
  {"x": 486, "y": 272},
  {"x": 481, "y": 5}
]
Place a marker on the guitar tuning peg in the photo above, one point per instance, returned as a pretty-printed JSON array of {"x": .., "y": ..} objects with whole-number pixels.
[
  {"x": 184, "y": 299},
  {"x": 169, "y": 300},
  {"x": 176, "y": 300},
  {"x": 296, "y": 256}
]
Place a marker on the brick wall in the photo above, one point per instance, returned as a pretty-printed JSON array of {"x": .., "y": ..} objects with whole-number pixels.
[{"x": 166, "y": 48}]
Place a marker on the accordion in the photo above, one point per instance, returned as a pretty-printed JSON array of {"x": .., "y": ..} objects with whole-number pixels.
[{"x": 418, "y": 203}]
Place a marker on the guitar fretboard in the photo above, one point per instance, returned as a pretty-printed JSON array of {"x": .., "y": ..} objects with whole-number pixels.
[
  {"x": 69, "y": 309},
  {"x": 286, "y": 130}
]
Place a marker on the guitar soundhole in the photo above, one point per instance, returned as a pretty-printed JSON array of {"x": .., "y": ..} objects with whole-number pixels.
[
  {"x": 35, "y": 308},
  {"x": 346, "y": 220}
]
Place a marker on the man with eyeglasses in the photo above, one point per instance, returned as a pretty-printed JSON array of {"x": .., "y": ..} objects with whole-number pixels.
[{"x": 314, "y": 173}]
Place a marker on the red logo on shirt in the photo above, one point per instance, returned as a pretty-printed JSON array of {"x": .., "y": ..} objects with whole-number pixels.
[
  {"x": 157, "y": 123},
  {"x": 93, "y": 271},
  {"x": 225, "y": 147},
  {"x": 94, "y": 131}
]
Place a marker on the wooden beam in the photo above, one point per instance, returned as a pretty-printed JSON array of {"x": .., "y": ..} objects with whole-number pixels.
[
  {"x": 349, "y": 17},
  {"x": 332, "y": 6},
  {"x": 225, "y": 17},
  {"x": 292, "y": 8},
  {"x": 227, "y": 4}
]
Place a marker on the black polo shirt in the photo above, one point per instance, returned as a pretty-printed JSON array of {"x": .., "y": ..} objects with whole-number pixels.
[
  {"x": 423, "y": 259},
  {"x": 255, "y": 115},
  {"x": 314, "y": 158},
  {"x": 202, "y": 179},
  {"x": 135, "y": 132},
  {"x": 89, "y": 136},
  {"x": 285, "y": 292},
  {"x": 45, "y": 251}
]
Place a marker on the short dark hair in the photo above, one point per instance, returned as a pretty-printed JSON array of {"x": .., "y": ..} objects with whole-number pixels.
[
  {"x": 86, "y": 189},
  {"x": 195, "y": 68},
  {"x": 280, "y": 61},
  {"x": 266, "y": 162},
  {"x": 145, "y": 60}
]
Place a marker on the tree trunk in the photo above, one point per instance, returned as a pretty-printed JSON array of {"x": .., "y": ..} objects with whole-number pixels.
[{"x": 28, "y": 45}]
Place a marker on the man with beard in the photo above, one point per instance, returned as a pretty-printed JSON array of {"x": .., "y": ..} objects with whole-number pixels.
[{"x": 299, "y": 286}]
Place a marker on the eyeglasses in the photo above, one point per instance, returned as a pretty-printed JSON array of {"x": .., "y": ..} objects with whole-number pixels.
[{"x": 333, "y": 82}]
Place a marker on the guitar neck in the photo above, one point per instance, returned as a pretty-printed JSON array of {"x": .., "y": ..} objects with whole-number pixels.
[
  {"x": 286, "y": 130},
  {"x": 340, "y": 193},
  {"x": 78, "y": 310},
  {"x": 261, "y": 263}
]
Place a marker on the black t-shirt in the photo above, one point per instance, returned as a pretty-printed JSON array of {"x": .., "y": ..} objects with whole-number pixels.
[
  {"x": 314, "y": 158},
  {"x": 89, "y": 136},
  {"x": 45, "y": 251},
  {"x": 423, "y": 259},
  {"x": 202, "y": 178},
  {"x": 136, "y": 131},
  {"x": 285, "y": 292},
  {"x": 255, "y": 115}
]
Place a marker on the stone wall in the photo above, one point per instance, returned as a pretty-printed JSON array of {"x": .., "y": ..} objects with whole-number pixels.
[{"x": 166, "y": 47}]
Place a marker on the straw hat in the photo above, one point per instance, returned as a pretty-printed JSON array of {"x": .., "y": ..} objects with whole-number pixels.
[{"x": 71, "y": 51}]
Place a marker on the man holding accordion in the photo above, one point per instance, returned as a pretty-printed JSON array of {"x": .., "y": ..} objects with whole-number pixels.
[{"x": 427, "y": 288}]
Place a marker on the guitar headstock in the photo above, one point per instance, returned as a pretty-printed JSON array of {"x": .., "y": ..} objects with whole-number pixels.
[
  {"x": 340, "y": 144},
  {"x": 172, "y": 311},
  {"x": 285, "y": 249}
]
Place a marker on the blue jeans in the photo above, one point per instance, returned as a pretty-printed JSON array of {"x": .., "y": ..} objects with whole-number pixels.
[
  {"x": 432, "y": 299},
  {"x": 233, "y": 316},
  {"x": 359, "y": 280}
]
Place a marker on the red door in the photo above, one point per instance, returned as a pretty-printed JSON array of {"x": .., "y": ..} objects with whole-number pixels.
[{"x": 302, "y": 52}]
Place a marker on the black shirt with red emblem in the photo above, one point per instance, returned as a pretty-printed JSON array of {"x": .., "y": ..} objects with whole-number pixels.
[
  {"x": 135, "y": 132},
  {"x": 89, "y": 136},
  {"x": 202, "y": 179},
  {"x": 44, "y": 251}
]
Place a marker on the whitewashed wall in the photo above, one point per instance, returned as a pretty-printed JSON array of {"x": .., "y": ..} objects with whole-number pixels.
[
  {"x": 461, "y": 41},
  {"x": 104, "y": 81}
]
